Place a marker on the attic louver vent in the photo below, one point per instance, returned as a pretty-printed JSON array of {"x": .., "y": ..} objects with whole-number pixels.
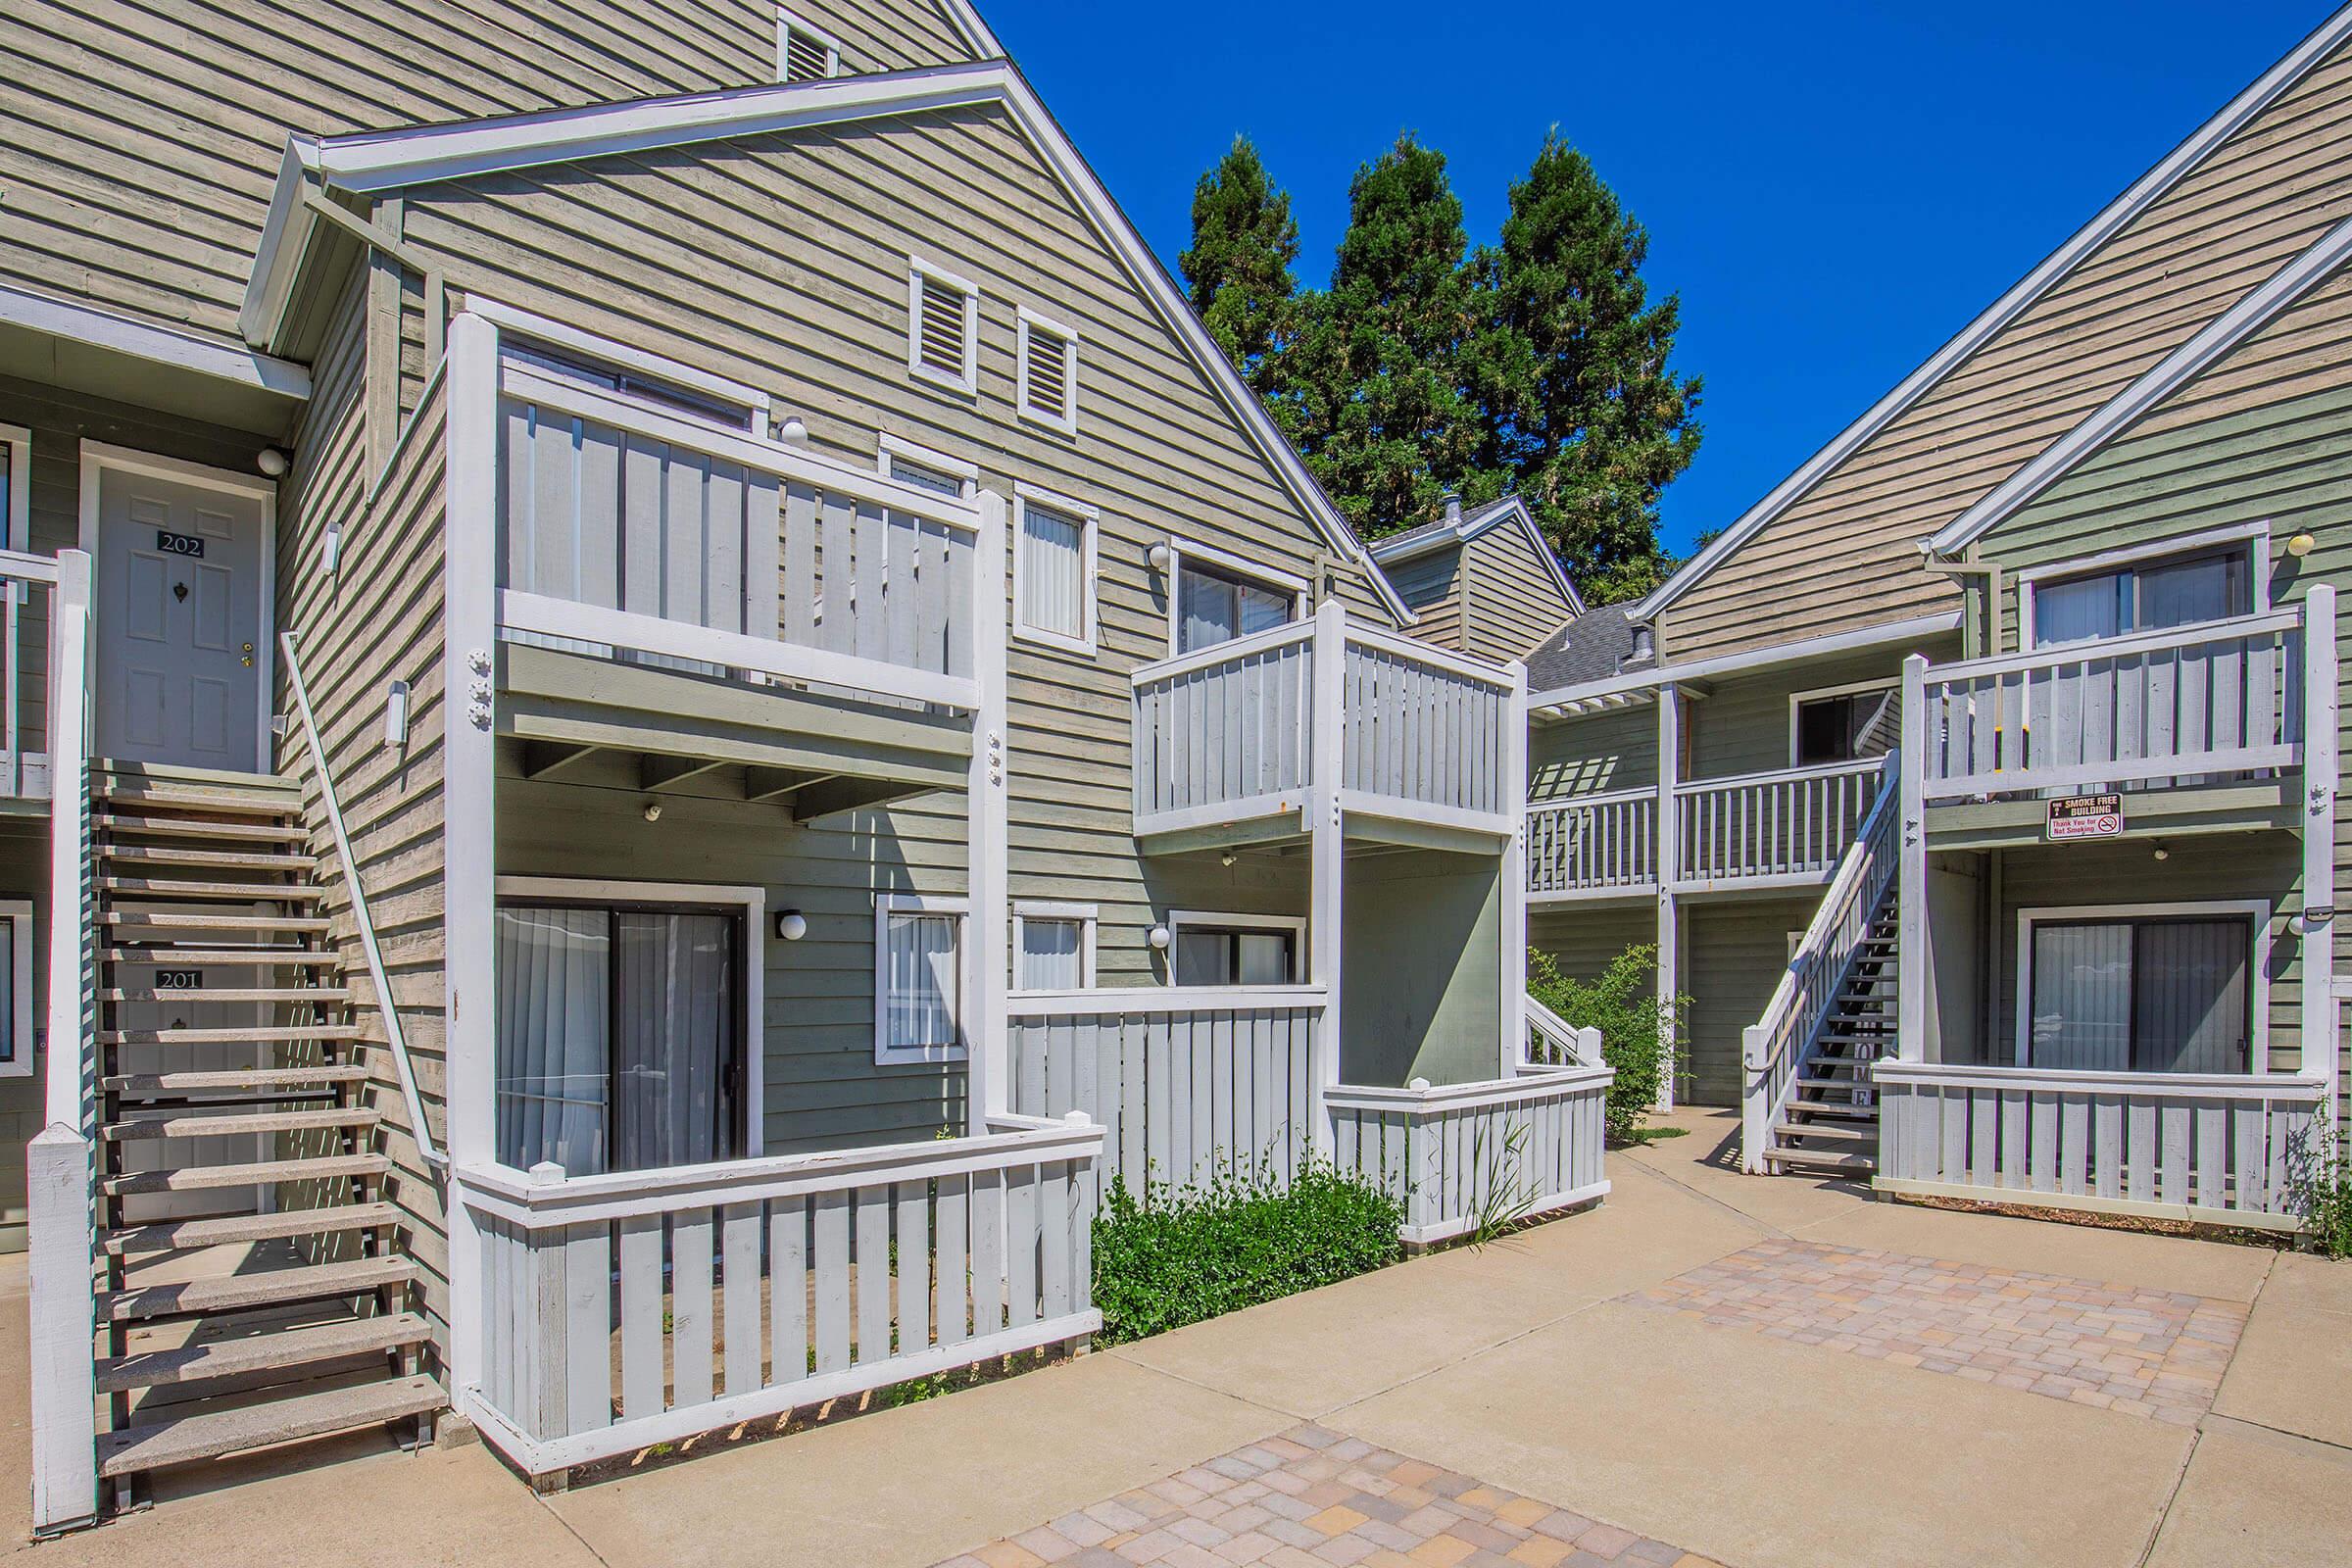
[
  {"x": 803, "y": 54},
  {"x": 942, "y": 328},
  {"x": 1048, "y": 375}
]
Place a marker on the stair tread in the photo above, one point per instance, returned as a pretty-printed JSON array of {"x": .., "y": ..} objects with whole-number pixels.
[
  {"x": 212, "y": 859},
  {"x": 287, "y": 994},
  {"x": 227, "y": 1035},
  {"x": 307, "y": 1416},
  {"x": 1828, "y": 1133},
  {"x": 306, "y": 957},
  {"x": 205, "y": 1178},
  {"x": 190, "y": 827},
  {"x": 164, "y": 887},
  {"x": 260, "y": 1352},
  {"x": 236, "y": 1292},
  {"x": 183, "y": 920},
  {"x": 258, "y": 801},
  {"x": 181, "y": 1235},
  {"x": 229, "y": 1080},
  {"x": 1821, "y": 1160},
  {"x": 223, "y": 1123}
]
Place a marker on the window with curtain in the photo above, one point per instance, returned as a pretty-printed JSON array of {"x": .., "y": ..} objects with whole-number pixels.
[
  {"x": 2169, "y": 993},
  {"x": 919, "y": 983},
  {"x": 1216, "y": 607},
  {"x": 1234, "y": 953},
  {"x": 922, "y": 478},
  {"x": 620, "y": 1036},
  {"x": 1048, "y": 952},
  {"x": 1053, "y": 594},
  {"x": 2150, "y": 596},
  {"x": 1847, "y": 726}
]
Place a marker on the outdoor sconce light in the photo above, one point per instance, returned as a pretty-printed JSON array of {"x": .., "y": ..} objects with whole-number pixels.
[
  {"x": 1160, "y": 555},
  {"x": 1159, "y": 939},
  {"x": 1227, "y": 859},
  {"x": 330, "y": 546},
  {"x": 2302, "y": 544},
  {"x": 791, "y": 925},
  {"x": 396, "y": 715},
  {"x": 271, "y": 461},
  {"x": 2163, "y": 853},
  {"x": 653, "y": 811},
  {"x": 794, "y": 431}
]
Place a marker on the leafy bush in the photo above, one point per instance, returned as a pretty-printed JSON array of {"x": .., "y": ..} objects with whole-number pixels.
[
  {"x": 1178, "y": 1256},
  {"x": 1636, "y": 1027},
  {"x": 2320, "y": 1190}
]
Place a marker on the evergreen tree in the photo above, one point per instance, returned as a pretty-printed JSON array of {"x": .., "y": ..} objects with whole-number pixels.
[
  {"x": 1245, "y": 243},
  {"x": 1581, "y": 406}
]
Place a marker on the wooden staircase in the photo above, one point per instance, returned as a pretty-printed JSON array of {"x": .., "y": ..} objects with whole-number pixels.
[
  {"x": 253, "y": 1287},
  {"x": 1830, "y": 1126}
]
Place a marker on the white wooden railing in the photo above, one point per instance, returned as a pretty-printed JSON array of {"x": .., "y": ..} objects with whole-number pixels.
[
  {"x": 1775, "y": 1048},
  {"x": 27, "y": 600},
  {"x": 1464, "y": 1153},
  {"x": 1188, "y": 1082},
  {"x": 629, "y": 532},
  {"x": 61, "y": 1234},
  {"x": 1593, "y": 844},
  {"x": 2224, "y": 697},
  {"x": 621, "y": 1311},
  {"x": 1553, "y": 1042},
  {"x": 1796, "y": 823},
  {"x": 2208, "y": 1148},
  {"x": 1238, "y": 730}
]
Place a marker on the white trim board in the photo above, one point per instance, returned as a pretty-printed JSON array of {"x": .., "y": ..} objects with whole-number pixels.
[
  {"x": 1087, "y": 918},
  {"x": 1860, "y": 638},
  {"x": 387, "y": 161},
  {"x": 965, "y": 472},
  {"x": 959, "y": 1006},
  {"x": 531, "y": 325},
  {"x": 18, "y": 440},
  {"x": 145, "y": 340},
  {"x": 1796, "y": 699},
  {"x": 1234, "y": 920},
  {"x": 754, "y": 902},
  {"x": 2116, "y": 215},
  {"x": 1090, "y": 533},
  {"x": 2258, "y": 963},
  {"x": 19, "y": 1062},
  {"x": 1404, "y": 547},
  {"x": 2255, "y": 536}
]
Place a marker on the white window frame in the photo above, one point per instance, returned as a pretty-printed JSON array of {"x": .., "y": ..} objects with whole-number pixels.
[
  {"x": 1089, "y": 527},
  {"x": 887, "y": 904},
  {"x": 2255, "y": 536},
  {"x": 1086, "y": 916},
  {"x": 2258, "y": 960},
  {"x": 917, "y": 270},
  {"x": 1182, "y": 550},
  {"x": 1234, "y": 920},
  {"x": 789, "y": 22},
  {"x": 753, "y": 902},
  {"x": 914, "y": 454},
  {"x": 536, "y": 329},
  {"x": 1798, "y": 699},
  {"x": 18, "y": 440},
  {"x": 1027, "y": 323},
  {"x": 21, "y": 955}
]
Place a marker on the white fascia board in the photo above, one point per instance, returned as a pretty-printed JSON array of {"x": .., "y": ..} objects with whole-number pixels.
[
  {"x": 2280, "y": 292},
  {"x": 2113, "y": 219},
  {"x": 1842, "y": 642},
  {"x": 1509, "y": 509},
  {"x": 79, "y": 322},
  {"x": 976, "y": 32}
]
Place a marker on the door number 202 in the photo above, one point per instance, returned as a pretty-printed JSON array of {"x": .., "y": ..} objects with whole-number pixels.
[{"x": 190, "y": 545}]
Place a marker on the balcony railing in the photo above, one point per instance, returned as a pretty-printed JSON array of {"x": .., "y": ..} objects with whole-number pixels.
[
  {"x": 27, "y": 600},
  {"x": 1235, "y": 732},
  {"x": 2155, "y": 707},
  {"x": 1794, "y": 823},
  {"x": 637, "y": 534},
  {"x": 1593, "y": 843}
]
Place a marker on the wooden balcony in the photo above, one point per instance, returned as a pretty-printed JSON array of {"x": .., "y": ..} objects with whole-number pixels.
[{"x": 28, "y": 588}]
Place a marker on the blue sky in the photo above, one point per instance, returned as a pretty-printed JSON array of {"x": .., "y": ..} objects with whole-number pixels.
[{"x": 1833, "y": 189}]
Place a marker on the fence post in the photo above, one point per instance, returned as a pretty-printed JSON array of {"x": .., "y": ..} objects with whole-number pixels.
[
  {"x": 1669, "y": 866},
  {"x": 1328, "y": 857},
  {"x": 1513, "y": 874},
  {"x": 1911, "y": 929},
  {"x": 64, "y": 1372},
  {"x": 2319, "y": 763},
  {"x": 1755, "y": 1102},
  {"x": 987, "y": 934}
]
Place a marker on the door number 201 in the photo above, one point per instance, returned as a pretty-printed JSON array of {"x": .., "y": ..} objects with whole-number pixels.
[{"x": 190, "y": 545}]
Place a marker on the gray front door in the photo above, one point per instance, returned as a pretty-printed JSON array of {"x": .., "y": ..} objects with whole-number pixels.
[{"x": 179, "y": 600}]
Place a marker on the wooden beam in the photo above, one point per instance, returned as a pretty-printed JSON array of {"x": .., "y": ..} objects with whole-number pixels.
[
  {"x": 545, "y": 759},
  {"x": 656, "y": 773},
  {"x": 847, "y": 793},
  {"x": 774, "y": 783}
]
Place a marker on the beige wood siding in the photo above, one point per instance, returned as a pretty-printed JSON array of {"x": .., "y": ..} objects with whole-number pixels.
[
  {"x": 1583, "y": 941},
  {"x": 1742, "y": 726},
  {"x": 1734, "y": 954},
  {"x": 884, "y": 34},
  {"x": 1510, "y": 602},
  {"x": 1845, "y": 555},
  {"x": 377, "y": 619},
  {"x": 1616, "y": 750},
  {"x": 1431, "y": 587}
]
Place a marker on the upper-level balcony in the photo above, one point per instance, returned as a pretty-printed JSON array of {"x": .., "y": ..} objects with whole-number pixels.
[
  {"x": 1237, "y": 742},
  {"x": 30, "y": 586},
  {"x": 672, "y": 585}
]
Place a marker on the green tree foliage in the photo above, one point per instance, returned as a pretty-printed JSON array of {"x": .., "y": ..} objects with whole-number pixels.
[
  {"x": 1537, "y": 365},
  {"x": 1238, "y": 270},
  {"x": 1640, "y": 1034}
]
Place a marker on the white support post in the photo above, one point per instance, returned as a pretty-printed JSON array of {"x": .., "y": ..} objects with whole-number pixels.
[
  {"x": 1668, "y": 861},
  {"x": 988, "y": 1054},
  {"x": 1513, "y": 877},
  {"x": 1911, "y": 928},
  {"x": 64, "y": 1371},
  {"x": 469, "y": 838},
  {"x": 2319, "y": 764},
  {"x": 1328, "y": 856}
]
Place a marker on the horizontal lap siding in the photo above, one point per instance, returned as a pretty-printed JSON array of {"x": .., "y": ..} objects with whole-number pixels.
[
  {"x": 1742, "y": 726},
  {"x": 1431, "y": 586},
  {"x": 1846, "y": 553},
  {"x": 1510, "y": 602},
  {"x": 1616, "y": 750},
  {"x": 885, "y": 34},
  {"x": 379, "y": 619},
  {"x": 1734, "y": 954},
  {"x": 1584, "y": 941}
]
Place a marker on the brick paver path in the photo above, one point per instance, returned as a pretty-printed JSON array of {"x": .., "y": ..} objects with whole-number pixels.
[
  {"x": 1311, "y": 1498},
  {"x": 2149, "y": 1353}
]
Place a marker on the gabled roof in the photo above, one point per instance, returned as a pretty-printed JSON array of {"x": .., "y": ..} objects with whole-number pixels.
[
  {"x": 2249, "y": 315},
  {"x": 371, "y": 163},
  {"x": 1593, "y": 647},
  {"x": 1457, "y": 530},
  {"x": 2112, "y": 221}
]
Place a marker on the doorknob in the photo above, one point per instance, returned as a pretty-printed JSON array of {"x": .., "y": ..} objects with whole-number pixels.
[{"x": 247, "y": 660}]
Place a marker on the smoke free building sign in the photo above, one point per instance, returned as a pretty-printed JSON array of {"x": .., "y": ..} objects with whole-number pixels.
[{"x": 2085, "y": 816}]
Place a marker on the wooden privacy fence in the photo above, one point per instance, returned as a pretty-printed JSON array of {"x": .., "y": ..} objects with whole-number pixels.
[
  {"x": 1229, "y": 725},
  {"x": 1425, "y": 726},
  {"x": 2218, "y": 1149},
  {"x": 625, "y": 529},
  {"x": 1186, "y": 1083},
  {"x": 1795, "y": 822},
  {"x": 1524, "y": 1145},
  {"x": 1593, "y": 843},
  {"x": 624, "y": 1311},
  {"x": 2221, "y": 698}
]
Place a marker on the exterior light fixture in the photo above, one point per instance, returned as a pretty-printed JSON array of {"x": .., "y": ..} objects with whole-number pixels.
[
  {"x": 791, "y": 925},
  {"x": 1159, "y": 939},
  {"x": 2302, "y": 544},
  {"x": 653, "y": 811},
  {"x": 2163, "y": 853},
  {"x": 270, "y": 462},
  {"x": 396, "y": 715},
  {"x": 794, "y": 431},
  {"x": 1160, "y": 555},
  {"x": 330, "y": 546}
]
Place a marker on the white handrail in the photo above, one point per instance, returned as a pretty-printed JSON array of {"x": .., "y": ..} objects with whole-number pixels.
[
  {"x": 1569, "y": 803},
  {"x": 393, "y": 1033},
  {"x": 1094, "y": 1000},
  {"x": 2103, "y": 648},
  {"x": 1232, "y": 650},
  {"x": 1581, "y": 1047},
  {"x": 1862, "y": 767},
  {"x": 1469, "y": 667}
]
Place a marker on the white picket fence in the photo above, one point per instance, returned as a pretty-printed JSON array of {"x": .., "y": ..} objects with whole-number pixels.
[
  {"x": 2216, "y": 1148},
  {"x": 625, "y": 1310}
]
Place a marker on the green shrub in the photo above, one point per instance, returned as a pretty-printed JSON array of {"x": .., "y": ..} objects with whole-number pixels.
[
  {"x": 1636, "y": 1027},
  {"x": 2320, "y": 1190},
  {"x": 1178, "y": 1255}
]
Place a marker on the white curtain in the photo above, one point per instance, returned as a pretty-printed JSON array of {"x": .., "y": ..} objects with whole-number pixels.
[
  {"x": 554, "y": 985},
  {"x": 674, "y": 1042},
  {"x": 2081, "y": 999},
  {"x": 2087, "y": 607},
  {"x": 920, "y": 977},
  {"x": 1053, "y": 956},
  {"x": 1053, "y": 568},
  {"x": 1213, "y": 608},
  {"x": 1265, "y": 958},
  {"x": 1213, "y": 957}
]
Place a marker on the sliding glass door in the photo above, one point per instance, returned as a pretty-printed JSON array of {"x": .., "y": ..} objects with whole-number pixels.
[{"x": 2150, "y": 995}]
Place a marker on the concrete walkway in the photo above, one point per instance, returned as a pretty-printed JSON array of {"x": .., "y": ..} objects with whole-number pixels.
[{"x": 1755, "y": 1372}]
